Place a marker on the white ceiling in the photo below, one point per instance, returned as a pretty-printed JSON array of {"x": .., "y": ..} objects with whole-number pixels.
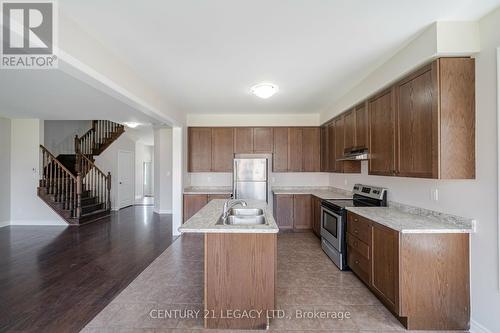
[
  {"x": 55, "y": 95},
  {"x": 203, "y": 56}
]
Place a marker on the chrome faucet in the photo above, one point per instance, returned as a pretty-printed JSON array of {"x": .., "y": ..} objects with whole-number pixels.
[{"x": 231, "y": 203}]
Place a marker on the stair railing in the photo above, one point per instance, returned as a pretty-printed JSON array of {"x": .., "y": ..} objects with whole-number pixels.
[
  {"x": 90, "y": 141},
  {"x": 94, "y": 180},
  {"x": 60, "y": 183}
]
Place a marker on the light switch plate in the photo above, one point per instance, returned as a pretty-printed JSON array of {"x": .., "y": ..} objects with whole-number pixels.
[{"x": 434, "y": 194}]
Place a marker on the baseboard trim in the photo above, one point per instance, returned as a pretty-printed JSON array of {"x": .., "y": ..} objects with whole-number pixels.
[
  {"x": 159, "y": 211},
  {"x": 39, "y": 222},
  {"x": 4, "y": 224},
  {"x": 476, "y": 327}
]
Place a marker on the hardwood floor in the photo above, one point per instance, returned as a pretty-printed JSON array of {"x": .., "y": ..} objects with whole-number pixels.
[{"x": 56, "y": 279}]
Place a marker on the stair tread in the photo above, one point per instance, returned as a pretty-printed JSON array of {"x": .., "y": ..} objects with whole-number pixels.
[{"x": 95, "y": 212}]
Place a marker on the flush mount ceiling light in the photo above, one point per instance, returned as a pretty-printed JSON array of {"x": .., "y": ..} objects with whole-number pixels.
[
  {"x": 264, "y": 90},
  {"x": 131, "y": 124}
]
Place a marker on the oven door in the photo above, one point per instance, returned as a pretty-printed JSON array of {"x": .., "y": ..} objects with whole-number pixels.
[{"x": 331, "y": 228}]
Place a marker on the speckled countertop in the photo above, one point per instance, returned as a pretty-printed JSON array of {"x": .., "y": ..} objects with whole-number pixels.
[
  {"x": 208, "y": 190},
  {"x": 407, "y": 219},
  {"x": 205, "y": 220},
  {"x": 320, "y": 192}
]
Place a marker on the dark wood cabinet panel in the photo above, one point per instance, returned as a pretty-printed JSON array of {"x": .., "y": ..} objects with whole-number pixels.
[
  {"x": 193, "y": 203},
  {"x": 222, "y": 149},
  {"x": 316, "y": 215},
  {"x": 200, "y": 149},
  {"x": 416, "y": 129},
  {"x": 339, "y": 143},
  {"x": 283, "y": 210},
  {"x": 295, "y": 150},
  {"x": 331, "y": 147},
  {"x": 349, "y": 129},
  {"x": 457, "y": 118},
  {"x": 381, "y": 144},
  {"x": 280, "y": 156},
  {"x": 302, "y": 214},
  {"x": 263, "y": 140},
  {"x": 324, "y": 148},
  {"x": 385, "y": 258},
  {"x": 243, "y": 140},
  {"x": 311, "y": 147},
  {"x": 361, "y": 125}
]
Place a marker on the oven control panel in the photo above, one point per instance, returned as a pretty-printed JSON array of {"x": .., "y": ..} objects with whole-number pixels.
[{"x": 370, "y": 191}]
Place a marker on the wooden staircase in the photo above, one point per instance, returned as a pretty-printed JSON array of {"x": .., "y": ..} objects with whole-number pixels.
[{"x": 71, "y": 184}]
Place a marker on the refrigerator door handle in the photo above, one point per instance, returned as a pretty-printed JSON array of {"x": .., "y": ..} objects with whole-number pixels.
[{"x": 235, "y": 173}]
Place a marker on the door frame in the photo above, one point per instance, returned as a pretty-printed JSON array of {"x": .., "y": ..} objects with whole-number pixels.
[{"x": 118, "y": 195}]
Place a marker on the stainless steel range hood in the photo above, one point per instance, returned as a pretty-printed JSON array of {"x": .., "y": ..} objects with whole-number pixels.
[{"x": 355, "y": 154}]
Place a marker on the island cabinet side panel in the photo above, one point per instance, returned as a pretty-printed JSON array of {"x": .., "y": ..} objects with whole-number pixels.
[
  {"x": 240, "y": 274},
  {"x": 434, "y": 281}
]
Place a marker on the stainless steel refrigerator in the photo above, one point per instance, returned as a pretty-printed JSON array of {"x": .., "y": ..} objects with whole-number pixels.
[{"x": 250, "y": 177}]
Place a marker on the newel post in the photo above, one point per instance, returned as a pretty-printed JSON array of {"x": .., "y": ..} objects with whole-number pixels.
[
  {"x": 79, "y": 189},
  {"x": 108, "y": 183},
  {"x": 77, "y": 153}
]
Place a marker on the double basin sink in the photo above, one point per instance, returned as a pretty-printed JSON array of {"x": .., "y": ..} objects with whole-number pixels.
[{"x": 243, "y": 216}]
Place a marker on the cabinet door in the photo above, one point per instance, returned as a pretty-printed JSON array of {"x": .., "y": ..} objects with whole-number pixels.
[
  {"x": 222, "y": 149},
  {"x": 361, "y": 125},
  {"x": 331, "y": 147},
  {"x": 243, "y": 140},
  {"x": 302, "y": 213},
  {"x": 199, "y": 149},
  {"x": 218, "y": 196},
  {"x": 193, "y": 203},
  {"x": 311, "y": 145},
  {"x": 339, "y": 143},
  {"x": 263, "y": 140},
  {"x": 316, "y": 215},
  {"x": 385, "y": 259},
  {"x": 280, "y": 156},
  {"x": 349, "y": 130},
  {"x": 381, "y": 118},
  {"x": 324, "y": 148},
  {"x": 417, "y": 126},
  {"x": 283, "y": 210},
  {"x": 295, "y": 149}
]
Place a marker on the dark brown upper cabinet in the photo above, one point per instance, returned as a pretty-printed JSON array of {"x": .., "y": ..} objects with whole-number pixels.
[
  {"x": 331, "y": 147},
  {"x": 222, "y": 149},
  {"x": 381, "y": 143},
  {"x": 324, "y": 148},
  {"x": 280, "y": 156},
  {"x": 349, "y": 129},
  {"x": 339, "y": 143},
  {"x": 435, "y": 123},
  {"x": 263, "y": 140},
  {"x": 311, "y": 147},
  {"x": 295, "y": 149},
  {"x": 361, "y": 125},
  {"x": 243, "y": 140},
  {"x": 199, "y": 149}
]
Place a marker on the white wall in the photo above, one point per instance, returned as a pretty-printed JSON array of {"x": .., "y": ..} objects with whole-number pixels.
[
  {"x": 143, "y": 153},
  {"x": 108, "y": 162},
  {"x": 26, "y": 207},
  {"x": 211, "y": 179},
  {"x": 163, "y": 170},
  {"x": 59, "y": 135},
  {"x": 477, "y": 198},
  {"x": 5, "y": 134}
]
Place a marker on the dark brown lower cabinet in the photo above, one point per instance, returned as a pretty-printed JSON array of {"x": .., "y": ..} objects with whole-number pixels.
[
  {"x": 423, "y": 278},
  {"x": 293, "y": 211},
  {"x": 316, "y": 215},
  {"x": 194, "y": 202}
]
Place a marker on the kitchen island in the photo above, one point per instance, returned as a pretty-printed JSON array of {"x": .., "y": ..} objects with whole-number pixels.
[{"x": 239, "y": 267}]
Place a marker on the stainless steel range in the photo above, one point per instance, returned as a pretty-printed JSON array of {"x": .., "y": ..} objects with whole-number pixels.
[{"x": 334, "y": 219}]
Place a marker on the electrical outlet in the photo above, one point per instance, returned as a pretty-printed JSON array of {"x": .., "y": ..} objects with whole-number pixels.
[
  {"x": 345, "y": 181},
  {"x": 434, "y": 194}
]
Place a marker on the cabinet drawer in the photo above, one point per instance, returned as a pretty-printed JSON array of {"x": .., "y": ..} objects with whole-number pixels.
[
  {"x": 359, "y": 265},
  {"x": 359, "y": 227},
  {"x": 358, "y": 245}
]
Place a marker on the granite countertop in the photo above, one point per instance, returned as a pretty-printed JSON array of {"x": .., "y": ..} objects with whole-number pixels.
[
  {"x": 325, "y": 192},
  {"x": 205, "y": 220},
  {"x": 208, "y": 190},
  {"x": 415, "y": 220}
]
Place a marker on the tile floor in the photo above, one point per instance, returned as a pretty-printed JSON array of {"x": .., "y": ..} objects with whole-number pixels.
[{"x": 307, "y": 281}]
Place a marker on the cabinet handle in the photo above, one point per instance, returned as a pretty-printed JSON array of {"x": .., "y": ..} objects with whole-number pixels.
[
  {"x": 356, "y": 231},
  {"x": 355, "y": 220},
  {"x": 356, "y": 262}
]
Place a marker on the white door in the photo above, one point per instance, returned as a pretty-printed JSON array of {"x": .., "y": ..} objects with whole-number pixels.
[{"x": 125, "y": 179}]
